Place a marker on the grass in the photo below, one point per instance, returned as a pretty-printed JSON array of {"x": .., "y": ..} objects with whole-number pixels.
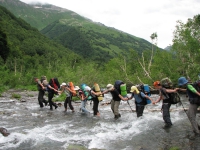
[{"x": 17, "y": 96}]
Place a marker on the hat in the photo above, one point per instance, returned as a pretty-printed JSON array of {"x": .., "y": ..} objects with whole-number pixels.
[
  {"x": 87, "y": 88},
  {"x": 76, "y": 88},
  {"x": 156, "y": 83},
  {"x": 134, "y": 88},
  {"x": 182, "y": 81},
  {"x": 109, "y": 87},
  {"x": 63, "y": 84}
]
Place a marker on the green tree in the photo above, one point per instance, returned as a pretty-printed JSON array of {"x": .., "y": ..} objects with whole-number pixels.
[
  {"x": 187, "y": 46},
  {"x": 4, "y": 48}
]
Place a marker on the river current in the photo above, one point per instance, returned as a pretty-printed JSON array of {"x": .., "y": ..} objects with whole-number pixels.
[{"x": 35, "y": 128}]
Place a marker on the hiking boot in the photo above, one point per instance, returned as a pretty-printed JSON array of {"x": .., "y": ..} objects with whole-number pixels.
[
  {"x": 116, "y": 117},
  {"x": 167, "y": 125},
  {"x": 46, "y": 103},
  {"x": 56, "y": 107}
]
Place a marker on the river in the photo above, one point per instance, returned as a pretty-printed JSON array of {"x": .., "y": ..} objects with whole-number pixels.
[{"x": 34, "y": 128}]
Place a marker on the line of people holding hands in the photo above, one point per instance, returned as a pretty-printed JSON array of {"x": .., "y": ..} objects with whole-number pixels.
[{"x": 87, "y": 92}]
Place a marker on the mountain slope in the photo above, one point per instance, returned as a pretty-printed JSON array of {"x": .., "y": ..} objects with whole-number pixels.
[
  {"x": 89, "y": 39},
  {"x": 27, "y": 43},
  {"x": 37, "y": 15}
]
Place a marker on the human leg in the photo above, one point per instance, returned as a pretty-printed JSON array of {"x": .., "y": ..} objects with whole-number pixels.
[
  {"x": 192, "y": 116},
  {"x": 40, "y": 98},
  {"x": 95, "y": 106},
  {"x": 166, "y": 114},
  {"x": 140, "y": 110},
  {"x": 65, "y": 104},
  {"x": 116, "y": 109},
  {"x": 50, "y": 96},
  {"x": 70, "y": 104},
  {"x": 83, "y": 104}
]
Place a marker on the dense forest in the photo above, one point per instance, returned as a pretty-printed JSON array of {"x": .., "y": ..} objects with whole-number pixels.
[{"x": 26, "y": 53}]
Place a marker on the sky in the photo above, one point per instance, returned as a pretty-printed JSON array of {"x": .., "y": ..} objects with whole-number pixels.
[{"x": 140, "y": 18}]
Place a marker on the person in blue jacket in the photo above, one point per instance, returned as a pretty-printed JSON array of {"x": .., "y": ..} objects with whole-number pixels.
[{"x": 140, "y": 99}]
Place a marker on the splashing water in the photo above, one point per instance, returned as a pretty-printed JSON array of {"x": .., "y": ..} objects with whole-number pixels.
[{"x": 33, "y": 128}]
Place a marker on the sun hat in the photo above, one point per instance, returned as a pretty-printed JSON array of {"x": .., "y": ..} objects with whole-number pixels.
[
  {"x": 156, "y": 83},
  {"x": 182, "y": 81},
  {"x": 76, "y": 88},
  {"x": 109, "y": 87},
  {"x": 87, "y": 88},
  {"x": 63, "y": 84},
  {"x": 134, "y": 88}
]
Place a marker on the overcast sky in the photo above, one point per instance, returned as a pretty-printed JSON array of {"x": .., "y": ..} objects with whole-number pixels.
[{"x": 140, "y": 18}]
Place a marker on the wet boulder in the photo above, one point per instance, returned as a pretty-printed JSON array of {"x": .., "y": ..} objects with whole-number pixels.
[{"x": 4, "y": 131}]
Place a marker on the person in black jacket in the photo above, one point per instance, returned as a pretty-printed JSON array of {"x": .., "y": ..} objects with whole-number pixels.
[
  {"x": 116, "y": 98},
  {"x": 41, "y": 91},
  {"x": 95, "y": 100},
  {"x": 52, "y": 88},
  {"x": 166, "y": 102}
]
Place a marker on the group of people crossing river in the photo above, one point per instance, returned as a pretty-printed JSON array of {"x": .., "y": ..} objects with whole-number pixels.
[{"x": 86, "y": 93}]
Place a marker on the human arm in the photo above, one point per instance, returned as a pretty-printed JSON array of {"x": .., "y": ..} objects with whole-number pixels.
[
  {"x": 148, "y": 97},
  {"x": 95, "y": 93},
  {"x": 104, "y": 92},
  {"x": 192, "y": 89},
  {"x": 159, "y": 99},
  {"x": 123, "y": 98},
  {"x": 50, "y": 87}
]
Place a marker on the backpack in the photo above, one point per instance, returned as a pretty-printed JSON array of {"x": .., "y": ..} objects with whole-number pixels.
[
  {"x": 146, "y": 90},
  {"x": 196, "y": 85},
  {"x": 71, "y": 86},
  {"x": 43, "y": 78},
  {"x": 196, "y": 100},
  {"x": 174, "y": 98},
  {"x": 166, "y": 82},
  {"x": 120, "y": 86},
  {"x": 53, "y": 82}
]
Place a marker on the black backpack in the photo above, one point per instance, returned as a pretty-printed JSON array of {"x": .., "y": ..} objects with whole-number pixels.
[
  {"x": 196, "y": 85},
  {"x": 117, "y": 85}
]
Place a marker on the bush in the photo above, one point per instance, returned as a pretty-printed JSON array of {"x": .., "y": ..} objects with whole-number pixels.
[{"x": 17, "y": 96}]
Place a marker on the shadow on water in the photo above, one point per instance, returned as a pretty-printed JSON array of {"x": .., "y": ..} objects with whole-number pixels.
[{"x": 34, "y": 128}]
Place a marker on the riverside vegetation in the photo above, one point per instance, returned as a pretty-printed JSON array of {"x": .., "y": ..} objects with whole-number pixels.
[{"x": 26, "y": 52}]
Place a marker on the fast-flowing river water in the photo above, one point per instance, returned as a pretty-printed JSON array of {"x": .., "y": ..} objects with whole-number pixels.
[{"x": 34, "y": 128}]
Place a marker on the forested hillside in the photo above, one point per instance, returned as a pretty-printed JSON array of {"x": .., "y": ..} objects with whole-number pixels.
[
  {"x": 26, "y": 53},
  {"x": 87, "y": 38}
]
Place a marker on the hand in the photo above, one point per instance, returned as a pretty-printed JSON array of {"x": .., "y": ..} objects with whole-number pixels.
[{"x": 177, "y": 89}]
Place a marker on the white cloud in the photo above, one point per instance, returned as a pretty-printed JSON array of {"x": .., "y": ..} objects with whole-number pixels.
[{"x": 139, "y": 18}]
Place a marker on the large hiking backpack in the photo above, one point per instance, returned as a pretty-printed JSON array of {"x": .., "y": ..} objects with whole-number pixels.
[
  {"x": 196, "y": 85},
  {"x": 121, "y": 87},
  {"x": 196, "y": 100},
  {"x": 166, "y": 82},
  {"x": 146, "y": 90},
  {"x": 53, "y": 82}
]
